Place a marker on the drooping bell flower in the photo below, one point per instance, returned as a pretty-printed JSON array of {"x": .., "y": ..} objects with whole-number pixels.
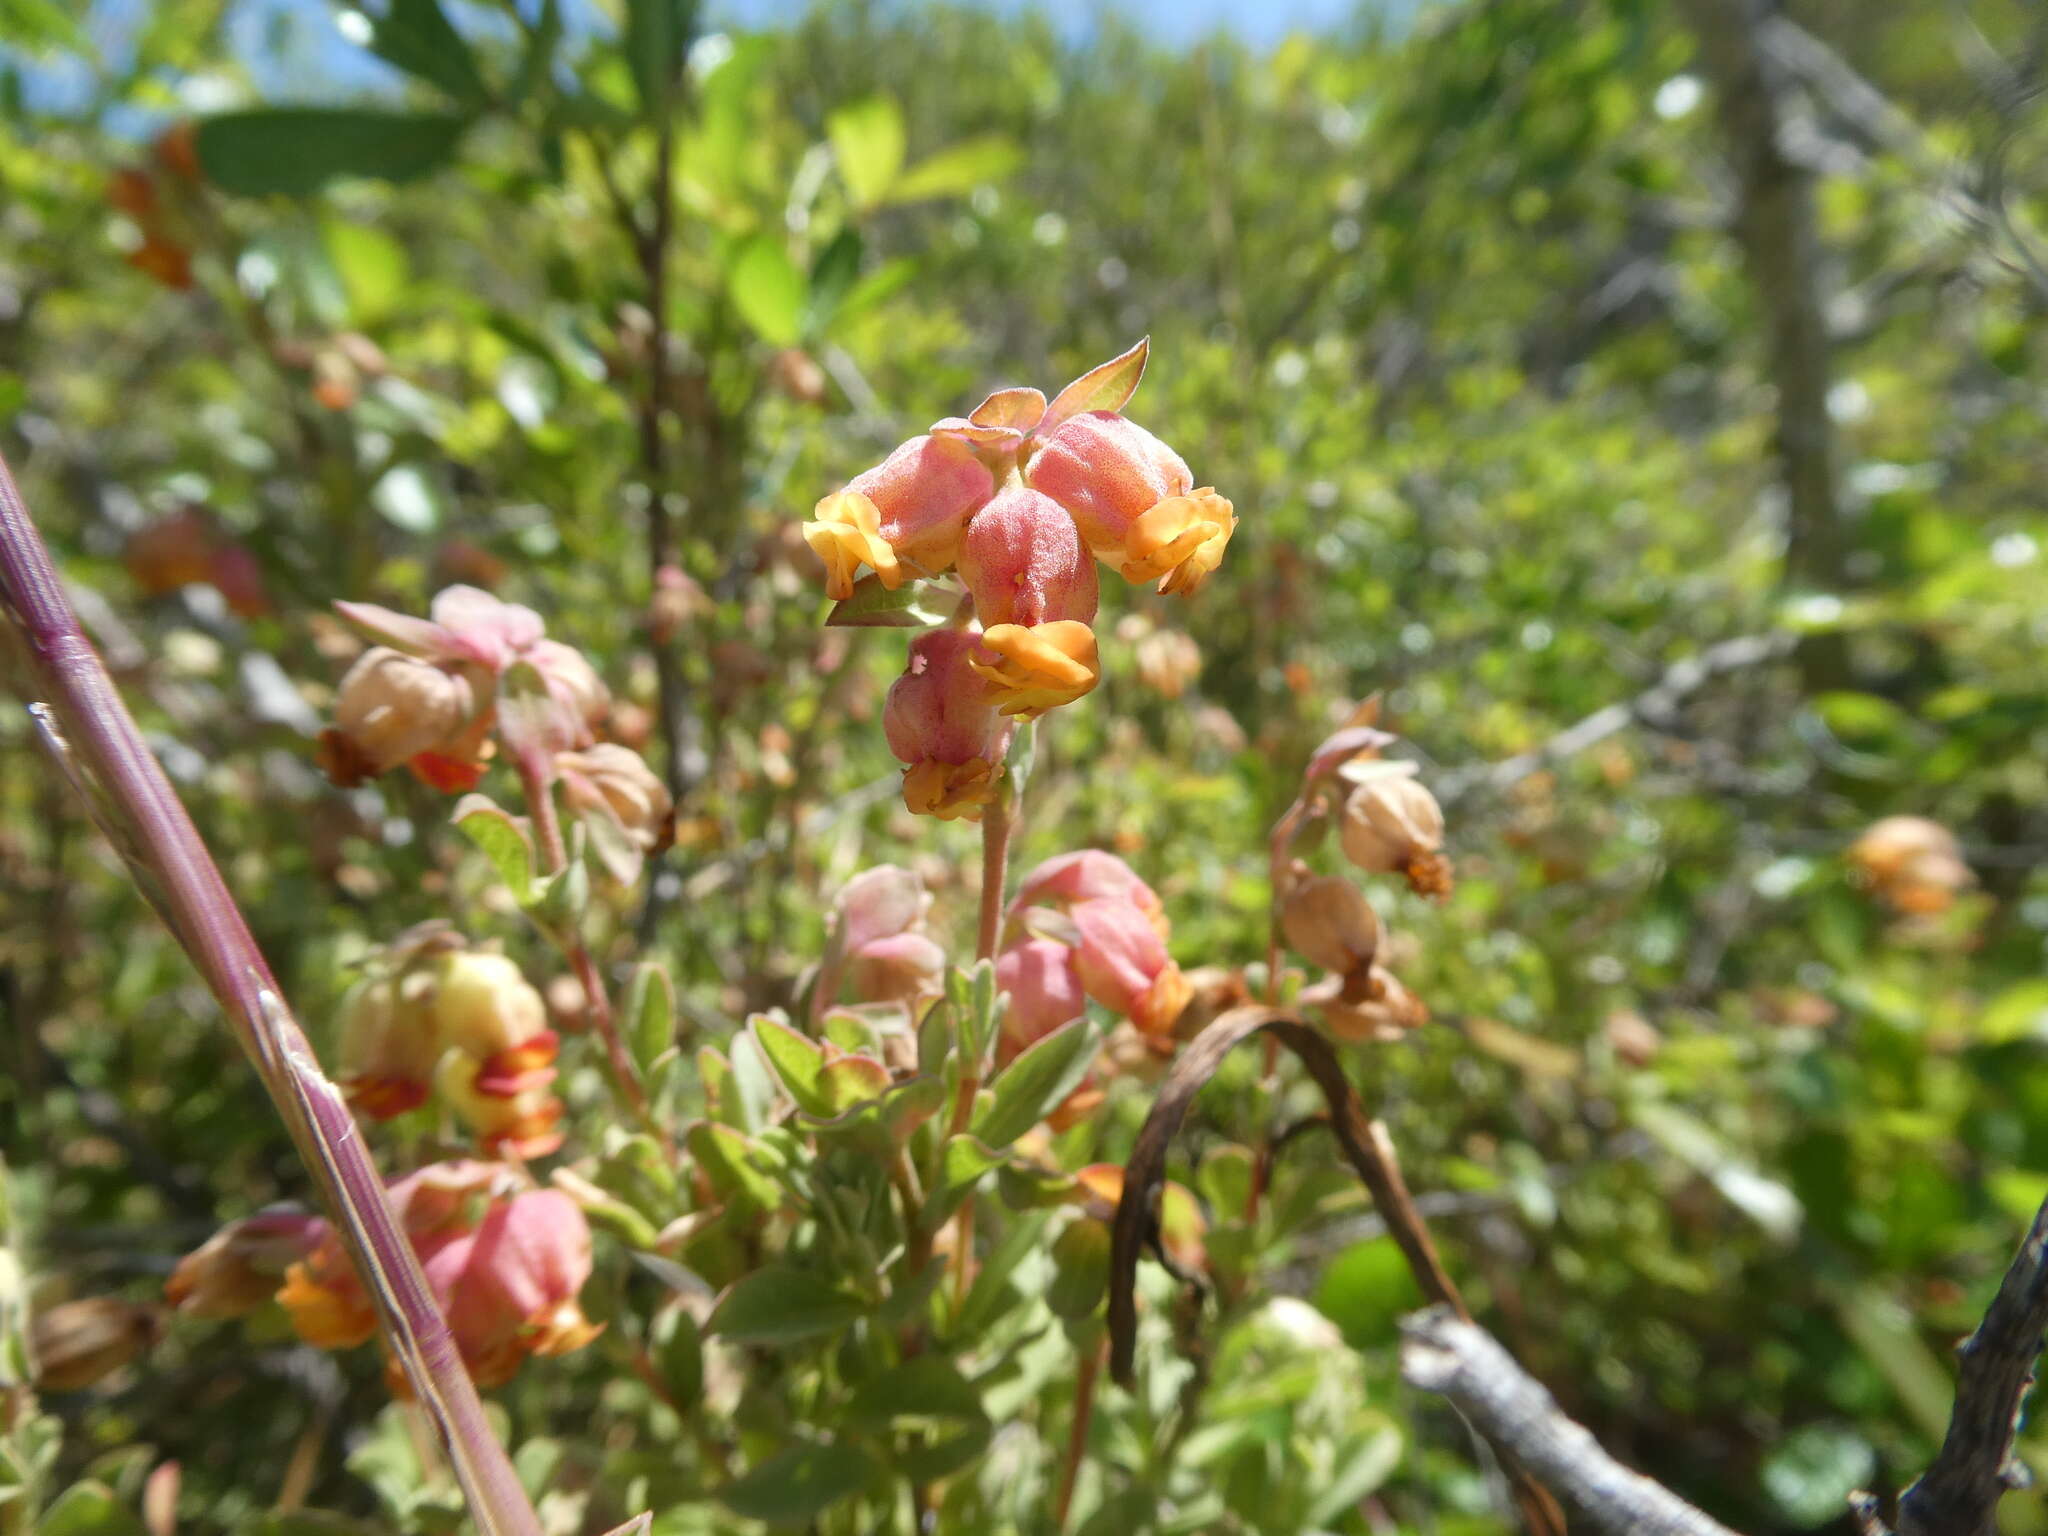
[
  {"x": 239, "y": 1268},
  {"x": 392, "y": 708},
  {"x": 1089, "y": 874},
  {"x": 907, "y": 512},
  {"x": 1915, "y": 866},
  {"x": 1134, "y": 500},
  {"x": 77, "y": 1343},
  {"x": 1391, "y": 824},
  {"x": 499, "y": 1070},
  {"x": 1044, "y": 989},
  {"x": 1123, "y": 964},
  {"x": 888, "y": 954},
  {"x": 941, "y": 720},
  {"x": 515, "y": 1290},
  {"x": 390, "y": 1040}
]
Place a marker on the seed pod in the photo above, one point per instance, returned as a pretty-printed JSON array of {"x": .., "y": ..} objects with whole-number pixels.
[
  {"x": 1328, "y": 922},
  {"x": 1393, "y": 825},
  {"x": 77, "y": 1343}
]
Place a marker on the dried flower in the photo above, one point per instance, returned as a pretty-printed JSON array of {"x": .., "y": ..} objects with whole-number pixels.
[
  {"x": 392, "y": 707},
  {"x": 389, "y": 1042},
  {"x": 619, "y": 798},
  {"x": 1372, "y": 1006},
  {"x": 77, "y": 1343},
  {"x": 940, "y": 719},
  {"x": 1392, "y": 824},
  {"x": 239, "y": 1268},
  {"x": 1329, "y": 923}
]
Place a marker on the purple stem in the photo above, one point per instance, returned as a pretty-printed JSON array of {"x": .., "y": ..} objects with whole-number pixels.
[{"x": 99, "y": 747}]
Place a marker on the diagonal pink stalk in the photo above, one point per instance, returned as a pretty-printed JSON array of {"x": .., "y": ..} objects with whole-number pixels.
[{"x": 99, "y": 748}]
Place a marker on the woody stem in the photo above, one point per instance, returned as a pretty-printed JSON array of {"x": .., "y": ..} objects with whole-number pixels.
[{"x": 534, "y": 782}]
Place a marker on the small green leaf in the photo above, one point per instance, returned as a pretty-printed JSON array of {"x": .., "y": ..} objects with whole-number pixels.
[
  {"x": 884, "y": 1123},
  {"x": 799, "y": 1064},
  {"x": 1080, "y": 1269},
  {"x": 962, "y": 1165},
  {"x": 795, "y": 1485},
  {"x": 767, "y": 289},
  {"x": 867, "y": 141},
  {"x": 958, "y": 168},
  {"x": 504, "y": 840},
  {"x": 372, "y": 267},
  {"x": 295, "y": 151},
  {"x": 88, "y": 1509},
  {"x": 922, "y": 1390},
  {"x": 1032, "y": 1085},
  {"x": 729, "y": 1160},
  {"x": 657, "y": 39},
  {"x": 874, "y": 606},
  {"x": 417, "y": 36},
  {"x": 650, "y": 1013},
  {"x": 834, "y": 271},
  {"x": 679, "y": 1356},
  {"x": 781, "y": 1304}
]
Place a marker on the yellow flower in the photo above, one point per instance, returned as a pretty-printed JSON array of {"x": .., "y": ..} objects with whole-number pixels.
[
  {"x": 1179, "y": 542},
  {"x": 1039, "y": 666},
  {"x": 846, "y": 533},
  {"x": 950, "y": 791}
]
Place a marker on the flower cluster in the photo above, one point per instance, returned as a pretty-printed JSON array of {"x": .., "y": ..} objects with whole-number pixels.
[
  {"x": 433, "y": 1015},
  {"x": 433, "y": 692},
  {"x": 1021, "y": 498},
  {"x": 505, "y": 1262},
  {"x": 1388, "y": 823},
  {"x": 1083, "y": 926}
]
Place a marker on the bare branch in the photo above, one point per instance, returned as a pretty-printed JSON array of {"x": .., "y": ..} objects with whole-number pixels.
[
  {"x": 1459, "y": 1360},
  {"x": 1958, "y": 1495}
]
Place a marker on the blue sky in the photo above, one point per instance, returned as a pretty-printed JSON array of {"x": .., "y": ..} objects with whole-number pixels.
[{"x": 296, "y": 47}]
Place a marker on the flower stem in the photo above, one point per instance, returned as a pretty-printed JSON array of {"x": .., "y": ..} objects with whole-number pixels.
[
  {"x": 98, "y": 746},
  {"x": 995, "y": 867},
  {"x": 1077, "y": 1432},
  {"x": 597, "y": 1003}
]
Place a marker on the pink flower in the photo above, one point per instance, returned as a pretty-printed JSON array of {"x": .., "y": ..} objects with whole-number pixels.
[
  {"x": 911, "y": 508},
  {"x": 888, "y": 954},
  {"x": 1067, "y": 879},
  {"x": 940, "y": 719},
  {"x": 1122, "y": 962},
  {"x": 1025, "y": 564},
  {"x": 1044, "y": 989}
]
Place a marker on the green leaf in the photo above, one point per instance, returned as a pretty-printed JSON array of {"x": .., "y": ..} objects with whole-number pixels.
[
  {"x": 504, "y": 840},
  {"x": 295, "y": 151},
  {"x": 1366, "y": 1289},
  {"x": 781, "y": 1304},
  {"x": 962, "y": 1164},
  {"x": 874, "y": 606},
  {"x": 679, "y": 1355},
  {"x": 730, "y": 1160},
  {"x": 372, "y": 267},
  {"x": 991, "y": 1294},
  {"x": 795, "y": 1485},
  {"x": 867, "y": 141},
  {"x": 834, "y": 271},
  {"x": 417, "y": 36},
  {"x": 885, "y": 1122},
  {"x": 958, "y": 168},
  {"x": 2020, "y": 1012},
  {"x": 767, "y": 289},
  {"x": 1032, "y": 1085},
  {"x": 1080, "y": 1269},
  {"x": 88, "y": 1509},
  {"x": 799, "y": 1064},
  {"x": 1362, "y": 1466},
  {"x": 650, "y": 1013},
  {"x": 657, "y": 39},
  {"x": 923, "y": 1390}
]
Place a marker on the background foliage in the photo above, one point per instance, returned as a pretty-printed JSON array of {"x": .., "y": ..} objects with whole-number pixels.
[{"x": 1455, "y": 316}]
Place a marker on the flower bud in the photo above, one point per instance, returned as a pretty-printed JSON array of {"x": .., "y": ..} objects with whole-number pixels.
[
  {"x": 512, "y": 1115},
  {"x": 1023, "y": 560},
  {"x": 940, "y": 720},
  {"x": 1123, "y": 964},
  {"x": 392, "y": 707},
  {"x": 578, "y": 694},
  {"x": 1134, "y": 500},
  {"x": 1034, "y": 669},
  {"x": 910, "y": 508},
  {"x": 1168, "y": 662},
  {"x": 77, "y": 1343},
  {"x": 239, "y": 1268},
  {"x": 1392, "y": 823},
  {"x": 1329, "y": 923},
  {"x": 1043, "y": 986},
  {"x": 514, "y": 1291},
  {"x": 889, "y": 956}
]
